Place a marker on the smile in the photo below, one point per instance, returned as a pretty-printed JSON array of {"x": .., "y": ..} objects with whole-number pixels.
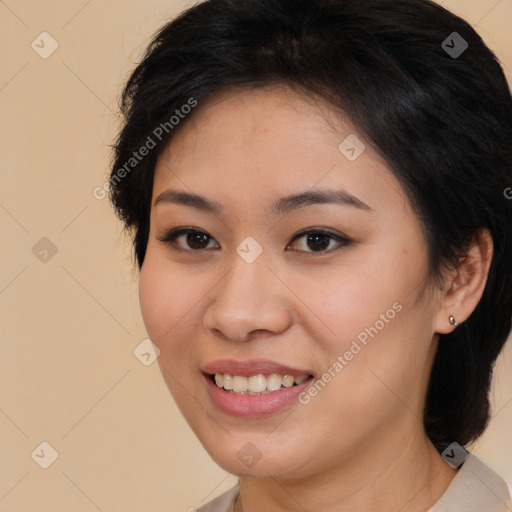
[{"x": 256, "y": 384}]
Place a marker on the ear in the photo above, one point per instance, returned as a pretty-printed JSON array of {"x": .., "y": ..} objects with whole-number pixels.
[{"x": 463, "y": 287}]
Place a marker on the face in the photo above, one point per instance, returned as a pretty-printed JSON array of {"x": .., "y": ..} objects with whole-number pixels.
[{"x": 298, "y": 258}]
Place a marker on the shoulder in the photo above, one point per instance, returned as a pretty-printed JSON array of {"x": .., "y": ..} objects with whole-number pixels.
[
  {"x": 223, "y": 503},
  {"x": 476, "y": 487}
]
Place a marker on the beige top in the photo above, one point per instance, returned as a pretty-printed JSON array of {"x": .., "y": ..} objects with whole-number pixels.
[{"x": 475, "y": 488}]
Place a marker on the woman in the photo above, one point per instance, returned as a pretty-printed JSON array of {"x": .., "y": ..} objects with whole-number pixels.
[{"x": 316, "y": 191}]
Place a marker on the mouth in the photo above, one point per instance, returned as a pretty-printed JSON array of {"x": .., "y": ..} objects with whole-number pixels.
[
  {"x": 256, "y": 385},
  {"x": 254, "y": 388}
]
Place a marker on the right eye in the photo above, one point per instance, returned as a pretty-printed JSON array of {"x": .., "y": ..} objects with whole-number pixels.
[{"x": 188, "y": 239}]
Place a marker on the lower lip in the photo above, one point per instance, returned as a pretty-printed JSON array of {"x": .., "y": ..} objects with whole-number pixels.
[{"x": 254, "y": 405}]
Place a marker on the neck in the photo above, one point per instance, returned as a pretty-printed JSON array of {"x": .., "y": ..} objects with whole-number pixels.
[{"x": 408, "y": 475}]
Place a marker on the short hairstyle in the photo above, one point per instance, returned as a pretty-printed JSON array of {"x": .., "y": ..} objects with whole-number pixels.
[{"x": 441, "y": 117}]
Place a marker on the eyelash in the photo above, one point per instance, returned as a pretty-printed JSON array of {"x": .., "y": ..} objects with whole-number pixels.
[{"x": 170, "y": 239}]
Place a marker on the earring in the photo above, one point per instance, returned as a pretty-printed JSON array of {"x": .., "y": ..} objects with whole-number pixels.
[{"x": 453, "y": 321}]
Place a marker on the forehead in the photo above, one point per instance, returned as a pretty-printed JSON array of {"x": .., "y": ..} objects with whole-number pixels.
[
  {"x": 270, "y": 141},
  {"x": 273, "y": 115}
]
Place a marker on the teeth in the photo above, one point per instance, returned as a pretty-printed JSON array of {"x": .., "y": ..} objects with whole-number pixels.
[
  {"x": 239, "y": 383},
  {"x": 301, "y": 379},
  {"x": 274, "y": 381},
  {"x": 228, "y": 381},
  {"x": 256, "y": 384},
  {"x": 288, "y": 381}
]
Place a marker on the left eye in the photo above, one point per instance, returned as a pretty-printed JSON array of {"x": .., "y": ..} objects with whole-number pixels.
[
  {"x": 319, "y": 241},
  {"x": 195, "y": 240}
]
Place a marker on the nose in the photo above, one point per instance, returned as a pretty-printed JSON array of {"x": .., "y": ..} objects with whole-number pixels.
[{"x": 248, "y": 300}]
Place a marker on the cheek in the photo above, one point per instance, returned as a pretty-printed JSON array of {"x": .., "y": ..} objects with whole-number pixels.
[
  {"x": 167, "y": 311},
  {"x": 165, "y": 299},
  {"x": 378, "y": 367},
  {"x": 341, "y": 303},
  {"x": 368, "y": 313},
  {"x": 153, "y": 301}
]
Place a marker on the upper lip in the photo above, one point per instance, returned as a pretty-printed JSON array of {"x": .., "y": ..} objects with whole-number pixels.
[{"x": 251, "y": 367}]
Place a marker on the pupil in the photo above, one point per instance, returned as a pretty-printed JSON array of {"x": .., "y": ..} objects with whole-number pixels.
[
  {"x": 317, "y": 241},
  {"x": 197, "y": 240}
]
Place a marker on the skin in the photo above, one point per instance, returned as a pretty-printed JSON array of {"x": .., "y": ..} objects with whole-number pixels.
[{"x": 360, "y": 443}]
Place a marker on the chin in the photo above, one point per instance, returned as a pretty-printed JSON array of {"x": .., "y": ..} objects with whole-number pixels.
[
  {"x": 247, "y": 455},
  {"x": 264, "y": 467}
]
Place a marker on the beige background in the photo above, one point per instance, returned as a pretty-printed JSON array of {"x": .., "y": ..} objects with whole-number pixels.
[{"x": 70, "y": 324}]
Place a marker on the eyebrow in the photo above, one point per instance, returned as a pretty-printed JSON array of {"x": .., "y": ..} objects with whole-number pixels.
[{"x": 280, "y": 206}]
